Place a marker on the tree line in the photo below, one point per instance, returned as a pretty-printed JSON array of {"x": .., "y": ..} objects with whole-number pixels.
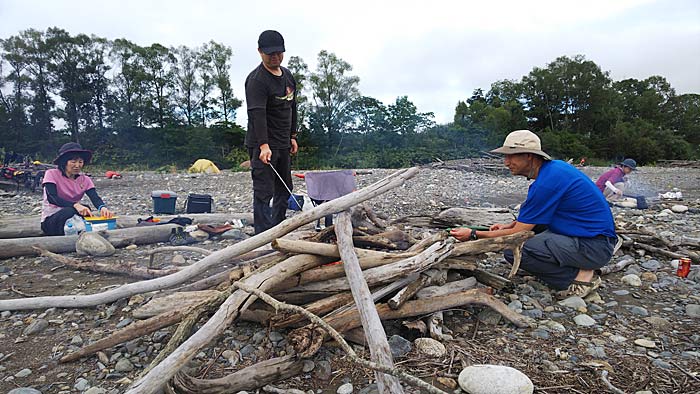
[{"x": 151, "y": 106}]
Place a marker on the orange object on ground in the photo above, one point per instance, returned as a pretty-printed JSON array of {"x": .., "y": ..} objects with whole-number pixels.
[{"x": 112, "y": 175}]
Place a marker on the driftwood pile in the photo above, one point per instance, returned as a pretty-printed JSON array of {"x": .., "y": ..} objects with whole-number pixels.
[
  {"x": 640, "y": 239},
  {"x": 408, "y": 278},
  {"x": 679, "y": 163}
]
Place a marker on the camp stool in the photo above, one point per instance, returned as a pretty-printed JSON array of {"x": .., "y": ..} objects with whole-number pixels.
[{"x": 328, "y": 185}]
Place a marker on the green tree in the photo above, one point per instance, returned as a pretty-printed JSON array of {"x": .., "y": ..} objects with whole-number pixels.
[
  {"x": 219, "y": 56},
  {"x": 333, "y": 90}
]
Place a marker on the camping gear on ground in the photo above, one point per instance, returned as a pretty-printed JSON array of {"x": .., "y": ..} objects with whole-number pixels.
[
  {"x": 641, "y": 201},
  {"x": 324, "y": 186},
  {"x": 163, "y": 201},
  {"x": 204, "y": 165},
  {"x": 295, "y": 202},
  {"x": 198, "y": 203},
  {"x": 113, "y": 175},
  {"x": 99, "y": 223},
  {"x": 178, "y": 237}
]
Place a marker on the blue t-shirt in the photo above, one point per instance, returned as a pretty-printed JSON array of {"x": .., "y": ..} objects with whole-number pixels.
[{"x": 568, "y": 202}]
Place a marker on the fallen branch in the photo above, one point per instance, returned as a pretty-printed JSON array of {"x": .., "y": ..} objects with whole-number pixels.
[
  {"x": 372, "y": 324},
  {"x": 604, "y": 378},
  {"x": 619, "y": 266},
  {"x": 128, "y": 333},
  {"x": 249, "y": 378},
  {"x": 129, "y": 269}
]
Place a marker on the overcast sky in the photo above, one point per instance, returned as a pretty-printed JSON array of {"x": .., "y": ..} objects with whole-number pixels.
[{"x": 434, "y": 52}]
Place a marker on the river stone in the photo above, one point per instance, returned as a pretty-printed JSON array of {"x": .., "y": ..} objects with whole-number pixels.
[
  {"x": 631, "y": 280},
  {"x": 399, "y": 345},
  {"x": 430, "y": 347},
  {"x": 658, "y": 322},
  {"x": 93, "y": 244},
  {"x": 494, "y": 379},
  {"x": 23, "y": 373},
  {"x": 651, "y": 265},
  {"x": 24, "y": 390},
  {"x": 124, "y": 365},
  {"x": 345, "y": 389},
  {"x": 96, "y": 390},
  {"x": 574, "y": 302},
  {"x": 81, "y": 384},
  {"x": 693, "y": 310},
  {"x": 645, "y": 343},
  {"x": 584, "y": 320},
  {"x": 36, "y": 326},
  {"x": 678, "y": 208}
]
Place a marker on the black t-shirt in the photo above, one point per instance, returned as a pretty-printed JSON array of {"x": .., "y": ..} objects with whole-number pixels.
[{"x": 272, "y": 108}]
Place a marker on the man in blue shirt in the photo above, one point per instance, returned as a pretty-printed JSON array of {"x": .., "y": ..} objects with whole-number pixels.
[{"x": 580, "y": 231}]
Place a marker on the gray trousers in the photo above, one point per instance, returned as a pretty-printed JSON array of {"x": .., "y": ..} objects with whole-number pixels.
[{"x": 556, "y": 259}]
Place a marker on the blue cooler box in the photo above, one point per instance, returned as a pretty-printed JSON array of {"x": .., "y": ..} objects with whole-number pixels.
[
  {"x": 164, "y": 201},
  {"x": 98, "y": 223}
]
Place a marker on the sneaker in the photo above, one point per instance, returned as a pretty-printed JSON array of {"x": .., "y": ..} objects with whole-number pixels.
[
  {"x": 179, "y": 238},
  {"x": 581, "y": 289}
]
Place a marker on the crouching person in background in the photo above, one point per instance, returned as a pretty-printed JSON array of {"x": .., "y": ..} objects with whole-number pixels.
[{"x": 65, "y": 186}]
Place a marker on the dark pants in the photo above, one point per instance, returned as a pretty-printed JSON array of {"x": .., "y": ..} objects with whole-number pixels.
[
  {"x": 556, "y": 259},
  {"x": 327, "y": 220},
  {"x": 267, "y": 186},
  {"x": 53, "y": 225}
]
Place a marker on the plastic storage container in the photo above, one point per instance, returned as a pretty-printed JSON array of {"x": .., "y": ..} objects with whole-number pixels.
[
  {"x": 164, "y": 201},
  {"x": 98, "y": 223}
]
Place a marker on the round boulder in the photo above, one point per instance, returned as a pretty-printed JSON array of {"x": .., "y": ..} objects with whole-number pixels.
[
  {"x": 494, "y": 379},
  {"x": 92, "y": 244},
  {"x": 430, "y": 347}
]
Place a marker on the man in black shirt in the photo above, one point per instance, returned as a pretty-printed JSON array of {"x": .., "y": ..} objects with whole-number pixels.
[{"x": 270, "y": 92}]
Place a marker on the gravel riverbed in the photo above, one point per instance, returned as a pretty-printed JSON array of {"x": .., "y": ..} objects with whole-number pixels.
[{"x": 642, "y": 325}]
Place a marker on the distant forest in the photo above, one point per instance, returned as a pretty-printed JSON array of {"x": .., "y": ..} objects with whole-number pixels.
[{"x": 147, "y": 107}]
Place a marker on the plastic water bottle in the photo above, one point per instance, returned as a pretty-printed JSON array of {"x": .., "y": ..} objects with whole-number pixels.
[
  {"x": 74, "y": 225},
  {"x": 69, "y": 228}
]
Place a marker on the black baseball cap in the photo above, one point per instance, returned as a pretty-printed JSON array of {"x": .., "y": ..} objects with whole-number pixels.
[{"x": 271, "y": 41}]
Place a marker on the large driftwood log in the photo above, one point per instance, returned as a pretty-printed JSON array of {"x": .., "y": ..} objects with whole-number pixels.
[
  {"x": 239, "y": 300},
  {"x": 485, "y": 245},
  {"x": 250, "y": 378},
  {"x": 349, "y": 320},
  {"x": 128, "y": 269},
  {"x": 447, "y": 288},
  {"x": 216, "y": 258},
  {"x": 320, "y": 307},
  {"x": 385, "y": 273},
  {"x": 129, "y": 332},
  {"x": 429, "y": 277},
  {"x": 372, "y": 324},
  {"x": 330, "y": 250},
  {"x": 30, "y": 226},
  {"x": 13, "y": 247},
  {"x": 461, "y": 216}
]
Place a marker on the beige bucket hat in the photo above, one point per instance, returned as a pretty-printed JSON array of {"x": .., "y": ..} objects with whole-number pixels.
[{"x": 522, "y": 141}]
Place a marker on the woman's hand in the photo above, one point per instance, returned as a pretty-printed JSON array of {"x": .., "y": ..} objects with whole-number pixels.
[
  {"x": 106, "y": 213},
  {"x": 82, "y": 209}
]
